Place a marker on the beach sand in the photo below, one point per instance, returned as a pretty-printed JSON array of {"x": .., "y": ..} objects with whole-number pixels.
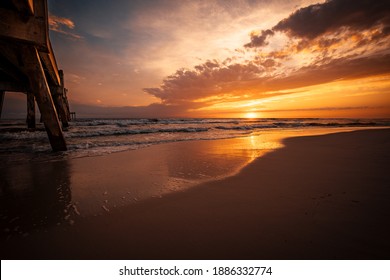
[{"x": 318, "y": 197}]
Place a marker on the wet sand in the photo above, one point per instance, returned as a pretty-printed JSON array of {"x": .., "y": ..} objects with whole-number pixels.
[{"x": 319, "y": 197}]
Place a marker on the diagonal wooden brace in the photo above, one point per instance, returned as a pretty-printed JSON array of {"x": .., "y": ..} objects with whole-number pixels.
[{"x": 39, "y": 87}]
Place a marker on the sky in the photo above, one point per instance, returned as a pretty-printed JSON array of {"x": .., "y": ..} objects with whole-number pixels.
[{"x": 223, "y": 58}]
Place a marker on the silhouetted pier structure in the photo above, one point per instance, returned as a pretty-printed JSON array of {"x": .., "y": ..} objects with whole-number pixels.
[{"x": 28, "y": 65}]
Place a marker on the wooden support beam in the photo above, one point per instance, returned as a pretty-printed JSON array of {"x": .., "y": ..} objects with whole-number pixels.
[
  {"x": 50, "y": 62},
  {"x": 31, "y": 5},
  {"x": 64, "y": 99},
  {"x": 60, "y": 107},
  {"x": 47, "y": 53},
  {"x": 58, "y": 93},
  {"x": 41, "y": 91},
  {"x": 30, "y": 29},
  {"x": 31, "y": 110},
  {"x": 2, "y": 93},
  {"x": 67, "y": 103},
  {"x": 24, "y": 6}
]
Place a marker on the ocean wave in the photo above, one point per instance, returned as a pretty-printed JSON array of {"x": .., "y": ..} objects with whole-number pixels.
[
  {"x": 245, "y": 127},
  {"x": 132, "y": 122},
  {"x": 23, "y": 135},
  {"x": 89, "y": 137},
  {"x": 113, "y": 132}
]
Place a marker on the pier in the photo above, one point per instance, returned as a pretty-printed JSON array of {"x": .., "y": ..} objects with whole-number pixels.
[{"x": 28, "y": 65}]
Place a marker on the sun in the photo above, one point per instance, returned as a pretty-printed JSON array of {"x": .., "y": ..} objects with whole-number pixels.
[{"x": 250, "y": 115}]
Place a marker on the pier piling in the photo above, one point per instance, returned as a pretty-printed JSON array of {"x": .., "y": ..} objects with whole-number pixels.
[
  {"x": 28, "y": 65},
  {"x": 41, "y": 91}
]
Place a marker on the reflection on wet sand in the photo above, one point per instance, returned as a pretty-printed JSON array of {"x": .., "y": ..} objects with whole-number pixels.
[
  {"x": 126, "y": 178},
  {"x": 38, "y": 195},
  {"x": 34, "y": 196}
]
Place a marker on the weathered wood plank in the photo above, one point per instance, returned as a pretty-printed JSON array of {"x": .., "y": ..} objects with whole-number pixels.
[
  {"x": 59, "y": 101},
  {"x": 64, "y": 97},
  {"x": 31, "y": 110},
  {"x": 47, "y": 55},
  {"x": 50, "y": 63},
  {"x": 41, "y": 91},
  {"x": 24, "y": 6},
  {"x": 61, "y": 110},
  {"x": 30, "y": 30},
  {"x": 31, "y": 5}
]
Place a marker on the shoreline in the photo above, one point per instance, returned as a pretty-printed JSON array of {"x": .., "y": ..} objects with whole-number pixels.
[
  {"x": 82, "y": 182},
  {"x": 266, "y": 211}
]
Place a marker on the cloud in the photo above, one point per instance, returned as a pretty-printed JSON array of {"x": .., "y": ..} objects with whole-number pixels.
[
  {"x": 56, "y": 22},
  {"x": 336, "y": 69},
  {"x": 315, "y": 20},
  {"x": 333, "y": 16},
  {"x": 259, "y": 40},
  {"x": 321, "y": 109},
  {"x": 212, "y": 82},
  {"x": 130, "y": 46},
  {"x": 209, "y": 79},
  {"x": 62, "y": 25},
  {"x": 325, "y": 42}
]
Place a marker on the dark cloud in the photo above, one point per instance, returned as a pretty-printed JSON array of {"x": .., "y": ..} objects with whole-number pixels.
[
  {"x": 259, "y": 40},
  {"x": 315, "y": 20},
  {"x": 268, "y": 63},
  {"x": 330, "y": 17}
]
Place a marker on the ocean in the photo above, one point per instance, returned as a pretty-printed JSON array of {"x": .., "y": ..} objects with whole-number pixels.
[{"x": 91, "y": 137}]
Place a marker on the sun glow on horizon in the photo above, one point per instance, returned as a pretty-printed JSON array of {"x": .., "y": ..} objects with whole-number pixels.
[{"x": 251, "y": 115}]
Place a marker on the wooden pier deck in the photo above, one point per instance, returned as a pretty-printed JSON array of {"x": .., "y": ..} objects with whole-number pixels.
[{"x": 28, "y": 65}]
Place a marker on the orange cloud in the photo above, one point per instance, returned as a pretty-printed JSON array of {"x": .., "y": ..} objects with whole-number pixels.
[
  {"x": 62, "y": 25},
  {"x": 206, "y": 80}
]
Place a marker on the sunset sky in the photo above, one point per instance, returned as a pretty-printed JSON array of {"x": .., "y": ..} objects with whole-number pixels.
[{"x": 224, "y": 58}]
